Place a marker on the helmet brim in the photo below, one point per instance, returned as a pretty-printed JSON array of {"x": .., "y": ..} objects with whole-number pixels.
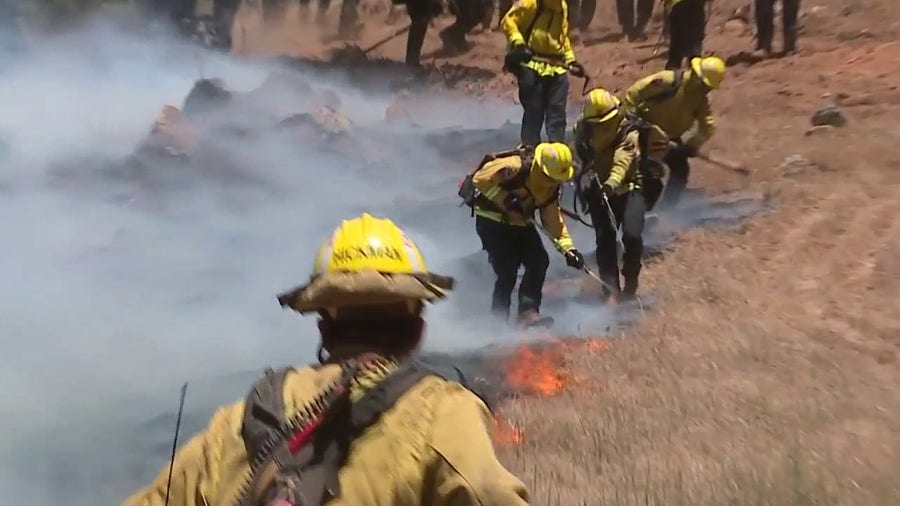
[
  {"x": 565, "y": 177},
  {"x": 337, "y": 289},
  {"x": 695, "y": 66},
  {"x": 602, "y": 119}
]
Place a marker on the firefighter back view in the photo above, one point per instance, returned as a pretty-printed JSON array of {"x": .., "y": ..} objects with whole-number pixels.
[{"x": 368, "y": 425}]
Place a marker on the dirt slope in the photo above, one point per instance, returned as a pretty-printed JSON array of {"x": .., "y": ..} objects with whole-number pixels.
[{"x": 769, "y": 374}]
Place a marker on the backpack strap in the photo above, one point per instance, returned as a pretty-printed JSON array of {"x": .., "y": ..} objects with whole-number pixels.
[
  {"x": 264, "y": 409},
  {"x": 526, "y": 35},
  {"x": 671, "y": 90}
]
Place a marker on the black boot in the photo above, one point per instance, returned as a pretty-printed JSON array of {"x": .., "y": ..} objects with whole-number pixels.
[
  {"x": 790, "y": 40},
  {"x": 629, "y": 291},
  {"x": 611, "y": 288}
]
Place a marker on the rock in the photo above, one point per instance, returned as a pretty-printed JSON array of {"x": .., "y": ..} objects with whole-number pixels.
[
  {"x": 818, "y": 130},
  {"x": 817, "y": 11},
  {"x": 735, "y": 27},
  {"x": 206, "y": 96},
  {"x": 796, "y": 164},
  {"x": 331, "y": 121},
  {"x": 829, "y": 115},
  {"x": 742, "y": 13}
]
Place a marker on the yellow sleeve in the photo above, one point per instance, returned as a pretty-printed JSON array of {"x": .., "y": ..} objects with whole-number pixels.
[
  {"x": 637, "y": 94},
  {"x": 552, "y": 218},
  {"x": 706, "y": 125},
  {"x": 518, "y": 17},
  {"x": 195, "y": 470},
  {"x": 568, "y": 52},
  {"x": 468, "y": 474},
  {"x": 623, "y": 158},
  {"x": 488, "y": 179}
]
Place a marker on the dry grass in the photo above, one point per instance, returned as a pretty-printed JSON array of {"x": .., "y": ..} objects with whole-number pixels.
[{"x": 769, "y": 375}]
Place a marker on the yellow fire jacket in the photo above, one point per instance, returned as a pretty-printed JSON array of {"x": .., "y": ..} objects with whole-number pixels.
[
  {"x": 539, "y": 193},
  {"x": 616, "y": 153},
  {"x": 432, "y": 447},
  {"x": 549, "y": 37},
  {"x": 677, "y": 113}
]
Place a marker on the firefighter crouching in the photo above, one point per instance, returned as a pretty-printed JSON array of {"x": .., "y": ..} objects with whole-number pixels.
[
  {"x": 367, "y": 408},
  {"x": 676, "y": 101},
  {"x": 504, "y": 192},
  {"x": 539, "y": 55},
  {"x": 623, "y": 159}
]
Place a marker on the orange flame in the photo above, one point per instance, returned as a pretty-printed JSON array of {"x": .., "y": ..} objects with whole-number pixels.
[
  {"x": 505, "y": 434},
  {"x": 536, "y": 371}
]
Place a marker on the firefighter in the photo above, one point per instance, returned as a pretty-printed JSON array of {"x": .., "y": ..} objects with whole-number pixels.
[
  {"x": 765, "y": 12},
  {"x": 687, "y": 27},
  {"x": 634, "y": 29},
  {"x": 368, "y": 407},
  {"x": 540, "y": 55},
  {"x": 623, "y": 159},
  {"x": 512, "y": 186},
  {"x": 676, "y": 101}
]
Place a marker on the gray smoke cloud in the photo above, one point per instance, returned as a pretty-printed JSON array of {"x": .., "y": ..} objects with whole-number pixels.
[
  {"x": 120, "y": 284},
  {"x": 118, "y": 287}
]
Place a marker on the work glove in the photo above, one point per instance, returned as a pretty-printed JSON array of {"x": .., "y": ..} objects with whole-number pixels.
[
  {"x": 513, "y": 203},
  {"x": 606, "y": 189},
  {"x": 519, "y": 54},
  {"x": 574, "y": 259},
  {"x": 685, "y": 150},
  {"x": 576, "y": 69}
]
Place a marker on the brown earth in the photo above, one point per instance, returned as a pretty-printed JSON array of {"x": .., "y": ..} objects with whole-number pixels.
[{"x": 770, "y": 372}]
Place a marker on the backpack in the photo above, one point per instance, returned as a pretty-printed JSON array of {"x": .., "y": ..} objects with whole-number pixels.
[
  {"x": 471, "y": 196},
  {"x": 296, "y": 461},
  {"x": 648, "y": 170},
  {"x": 672, "y": 90}
]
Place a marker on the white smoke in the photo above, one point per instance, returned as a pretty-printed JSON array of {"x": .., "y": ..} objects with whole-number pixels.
[{"x": 113, "y": 292}]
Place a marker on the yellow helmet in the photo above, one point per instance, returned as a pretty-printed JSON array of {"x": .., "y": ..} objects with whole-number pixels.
[
  {"x": 711, "y": 70},
  {"x": 368, "y": 243},
  {"x": 601, "y": 106},
  {"x": 367, "y": 261},
  {"x": 555, "y": 159}
]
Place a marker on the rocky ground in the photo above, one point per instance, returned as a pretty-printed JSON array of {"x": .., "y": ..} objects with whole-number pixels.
[{"x": 768, "y": 373}]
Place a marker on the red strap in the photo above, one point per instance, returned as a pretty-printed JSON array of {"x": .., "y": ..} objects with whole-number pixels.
[{"x": 302, "y": 437}]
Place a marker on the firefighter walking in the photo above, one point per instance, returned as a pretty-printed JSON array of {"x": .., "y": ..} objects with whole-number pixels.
[
  {"x": 677, "y": 101},
  {"x": 369, "y": 286},
  {"x": 540, "y": 55},
  {"x": 505, "y": 192},
  {"x": 623, "y": 159},
  {"x": 687, "y": 27}
]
